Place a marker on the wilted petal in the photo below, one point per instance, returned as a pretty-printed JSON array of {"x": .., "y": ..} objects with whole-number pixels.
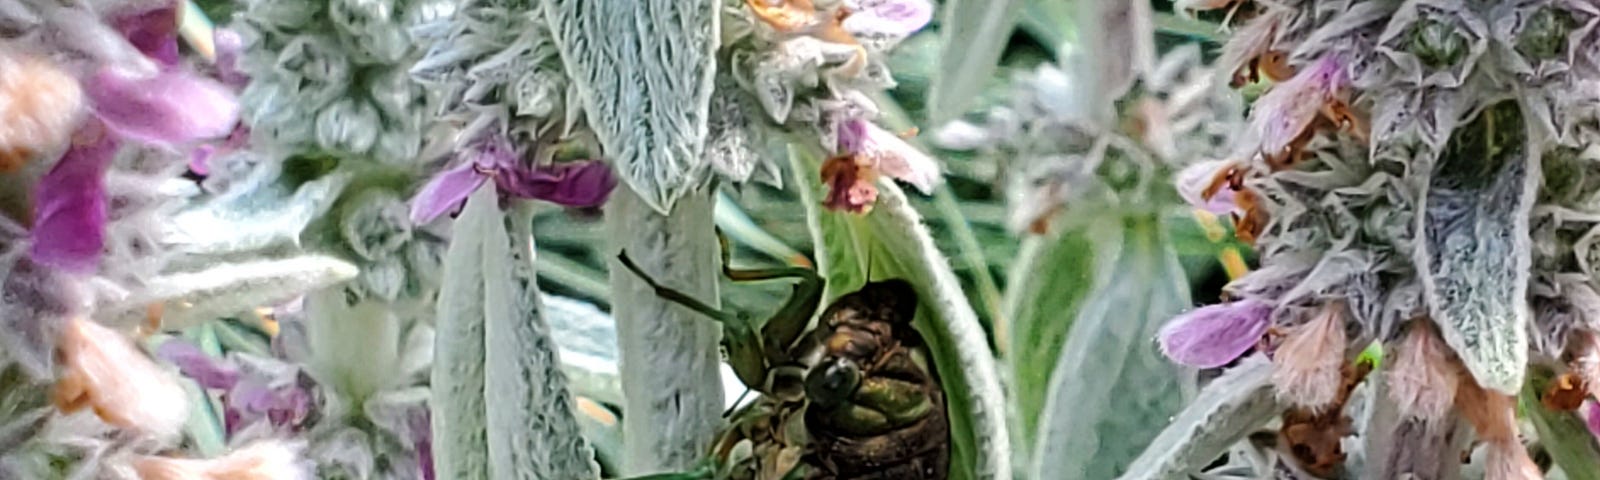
[
  {"x": 69, "y": 223},
  {"x": 1494, "y": 417},
  {"x": 851, "y": 187},
  {"x": 574, "y": 184},
  {"x": 1202, "y": 185},
  {"x": 1308, "y": 361},
  {"x": 1421, "y": 378},
  {"x": 264, "y": 460},
  {"x": 153, "y": 32},
  {"x": 211, "y": 372},
  {"x": 881, "y": 23},
  {"x": 896, "y": 158},
  {"x": 172, "y": 107},
  {"x": 104, "y": 371},
  {"x": 1213, "y": 335},
  {"x": 40, "y": 106},
  {"x": 445, "y": 192}
]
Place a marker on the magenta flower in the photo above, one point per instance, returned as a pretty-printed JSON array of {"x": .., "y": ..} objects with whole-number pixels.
[
  {"x": 279, "y": 395},
  {"x": 172, "y": 108},
  {"x": 1591, "y": 417},
  {"x": 70, "y": 207},
  {"x": 576, "y": 184},
  {"x": 1213, "y": 335}
]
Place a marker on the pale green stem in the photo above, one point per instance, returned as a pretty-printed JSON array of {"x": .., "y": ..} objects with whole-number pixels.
[{"x": 669, "y": 355}]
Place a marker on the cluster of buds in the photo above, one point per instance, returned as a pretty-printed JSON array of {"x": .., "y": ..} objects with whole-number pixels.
[
  {"x": 1415, "y": 174},
  {"x": 808, "y": 65},
  {"x": 333, "y": 76}
]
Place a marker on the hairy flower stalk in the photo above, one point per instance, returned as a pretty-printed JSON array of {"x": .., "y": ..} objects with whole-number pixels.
[{"x": 1417, "y": 161}]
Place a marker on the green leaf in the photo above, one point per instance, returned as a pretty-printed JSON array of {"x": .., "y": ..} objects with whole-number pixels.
[
  {"x": 1564, "y": 434},
  {"x": 1235, "y": 404},
  {"x": 1474, "y": 247},
  {"x": 1048, "y": 283},
  {"x": 1111, "y": 390},
  {"x": 490, "y": 313},
  {"x": 644, "y": 71},
  {"x": 892, "y": 242},
  {"x": 973, "y": 34}
]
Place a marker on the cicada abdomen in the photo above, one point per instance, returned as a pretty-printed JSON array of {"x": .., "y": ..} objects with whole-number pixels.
[{"x": 876, "y": 410}]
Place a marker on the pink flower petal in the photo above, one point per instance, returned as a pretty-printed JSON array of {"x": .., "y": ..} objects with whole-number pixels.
[
  {"x": 850, "y": 189},
  {"x": 230, "y": 47},
  {"x": 888, "y": 18},
  {"x": 172, "y": 107},
  {"x": 852, "y": 136},
  {"x": 446, "y": 192},
  {"x": 898, "y": 159},
  {"x": 1284, "y": 112},
  {"x": 574, "y": 184},
  {"x": 153, "y": 32},
  {"x": 1213, "y": 335},
  {"x": 70, "y": 208},
  {"x": 1193, "y": 181},
  {"x": 1591, "y": 417}
]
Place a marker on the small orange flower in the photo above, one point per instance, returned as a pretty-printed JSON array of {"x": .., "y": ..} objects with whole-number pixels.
[{"x": 104, "y": 371}]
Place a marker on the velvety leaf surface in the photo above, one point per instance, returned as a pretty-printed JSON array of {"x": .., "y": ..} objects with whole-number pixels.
[
  {"x": 1228, "y": 409},
  {"x": 644, "y": 71},
  {"x": 1112, "y": 391},
  {"x": 1475, "y": 248},
  {"x": 973, "y": 34}
]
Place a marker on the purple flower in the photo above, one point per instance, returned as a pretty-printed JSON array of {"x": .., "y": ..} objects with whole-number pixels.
[
  {"x": 154, "y": 32},
  {"x": 422, "y": 430},
  {"x": 577, "y": 184},
  {"x": 173, "y": 107},
  {"x": 1213, "y": 335},
  {"x": 70, "y": 206},
  {"x": 279, "y": 394},
  {"x": 1591, "y": 417}
]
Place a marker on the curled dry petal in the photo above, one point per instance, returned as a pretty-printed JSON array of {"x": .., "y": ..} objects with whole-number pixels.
[
  {"x": 263, "y": 460},
  {"x": 69, "y": 223},
  {"x": 172, "y": 107},
  {"x": 1213, "y": 335},
  {"x": 1203, "y": 186},
  {"x": 1421, "y": 377},
  {"x": 852, "y": 186},
  {"x": 40, "y": 106},
  {"x": 1507, "y": 459},
  {"x": 1583, "y": 347},
  {"x": 1307, "y": 363},
  {"x": 104, "y": 371}
]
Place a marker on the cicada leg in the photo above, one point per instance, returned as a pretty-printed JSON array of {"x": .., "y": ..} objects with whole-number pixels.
[{"x": 743, "y": 347}]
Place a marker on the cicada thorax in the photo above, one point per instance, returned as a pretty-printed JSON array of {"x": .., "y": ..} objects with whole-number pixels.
[{"x": 875, "y": 410}]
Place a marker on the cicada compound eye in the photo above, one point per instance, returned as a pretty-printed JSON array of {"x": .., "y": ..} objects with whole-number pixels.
[{"x": 833, "y": 382}]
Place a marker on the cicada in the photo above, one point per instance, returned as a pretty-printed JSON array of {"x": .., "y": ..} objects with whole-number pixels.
[{"x": 852, "y": 398}]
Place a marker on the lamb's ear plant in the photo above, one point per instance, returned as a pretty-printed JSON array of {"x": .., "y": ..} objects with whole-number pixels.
[{"x": 1100, "y": 271}]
